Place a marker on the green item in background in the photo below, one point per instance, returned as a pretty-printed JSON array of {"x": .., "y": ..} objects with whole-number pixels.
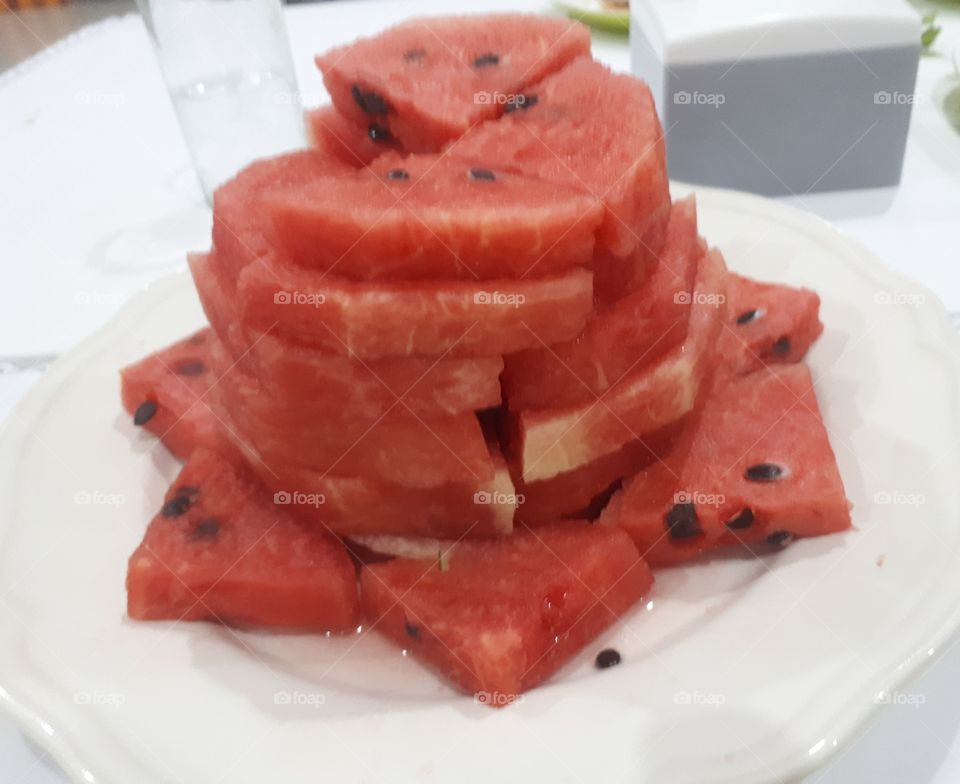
[
  {"x": 596, "y": 14},
  {"x": 931, "y": 31}
]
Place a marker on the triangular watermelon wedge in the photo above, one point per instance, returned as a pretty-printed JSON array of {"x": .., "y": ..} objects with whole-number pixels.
[
  {"x": 756, "y": 465},
  {"x": 220, "y": 549},
  {"x": 498, "y": 617}
]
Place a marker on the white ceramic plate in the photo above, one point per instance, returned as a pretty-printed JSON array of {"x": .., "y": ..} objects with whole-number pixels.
[{"x": 739, "y": 670}]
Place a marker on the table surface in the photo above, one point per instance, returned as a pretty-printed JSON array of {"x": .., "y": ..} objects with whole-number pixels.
[{"x": 912, "y": 227}]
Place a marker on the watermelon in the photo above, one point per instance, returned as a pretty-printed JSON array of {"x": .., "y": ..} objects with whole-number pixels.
[
  {"x": 220, "y": 549},
  {"x": 432, "y": 217},
  {"x": 427, "y": 386},
  {"x": 401, "y": 319},
  {"x": 755, "y": 466},
  {"x": 497, "y": 618},
  {"x": 552, "y": 441},
  {"x": 614, "y": 277},
  {"x": 631, "y": 334},
  {"x": 427, "y": 81},
  {"x": 363, "y": 505},
  {"x": 330, "y": 131},
  {"x": 590, "y": 129},
  {"x": 767, "y": 323},
  {"x": 166, "y": 393}
]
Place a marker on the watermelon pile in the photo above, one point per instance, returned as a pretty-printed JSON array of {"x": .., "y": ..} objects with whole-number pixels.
[{"x": 469, "y": 372}]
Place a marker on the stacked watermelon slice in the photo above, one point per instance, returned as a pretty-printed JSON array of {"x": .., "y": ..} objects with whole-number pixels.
[{"x": 467, "y": 332}]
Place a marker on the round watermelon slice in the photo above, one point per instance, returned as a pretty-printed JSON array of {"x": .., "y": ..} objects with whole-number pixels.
[
  {"x": 402, "y": 319},
  {"x": 427, "y": 81},
  {"x": 220, "y": 550},
  {"x": 553, "y": 441},
  {"x": 755, "y": 466},
  {"x": 767, "y": 323},
  {"x": 631, "y": 334},
  {"x": 589, "y": 129},
  {"x": 433, "y": 217},
  {"x": 167, "y": 393},
  {"x": 330, "y": 131},
  {"x": 497, "y": 618}
]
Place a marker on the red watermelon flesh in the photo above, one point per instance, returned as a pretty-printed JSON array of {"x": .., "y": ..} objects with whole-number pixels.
[
  {"x": 767, "y": 323},
  {"x": 363, "y": 505},
  {"x": 427, "y": 81},
  {"x": 399, "y": 445},
  {"x": 343, "y": 138},
  {"x": 755, "y": 466},
  {"x": 588, "y": 129},
  {"x": 402, "y": 319},
  {"x": 221, "y": 550},
  {"x": 428, "y": 386},
  {"x": 431, "y": 217},
  {"x": 553, "y": 441},
  {"x": 166, "y": 392},
  {"x": 633, "y": 333},
  {"x": 616, "y": 277},
  {"x": 497, "y": 618}
]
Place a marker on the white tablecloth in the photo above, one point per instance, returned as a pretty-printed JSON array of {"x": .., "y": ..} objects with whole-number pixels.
[{"x": 99, "y": 197}]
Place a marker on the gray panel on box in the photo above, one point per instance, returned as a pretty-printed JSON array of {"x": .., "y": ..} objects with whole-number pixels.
[{"x": 787, "y": 124}]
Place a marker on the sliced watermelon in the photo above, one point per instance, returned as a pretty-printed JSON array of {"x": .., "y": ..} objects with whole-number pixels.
[
  {"x": 629, "y": 335},
  {"x": 449, "y": 319},
  {"x": 428, "y": 386},
  {"x": 755, "y": 466},
  {"x": 585, "y": 127},
  {"x": 427, "y": 81},
  {"x": 497, "y": 618},
  {"x": 767, "y": 323},
  {"x": 553, "y": 441},
  {"x": 343, "y": 138},
  {"x": 166, "y": 393},
  {"x": 431, "y": 217},
  {"x": 221, "y": 550},
  {"x": 616, "y": 277}
]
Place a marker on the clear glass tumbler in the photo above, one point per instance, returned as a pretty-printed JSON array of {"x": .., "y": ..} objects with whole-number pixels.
[{"x": 228, "y": 68}]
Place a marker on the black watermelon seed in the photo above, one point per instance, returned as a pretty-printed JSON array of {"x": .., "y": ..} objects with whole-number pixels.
[
  {"x": 682, "y": 521},
  {"x": 369, "y": 101},
  {"x": 191, "y": 367},
  {"x": 741, "y": 521},
  {"x": 763, "y": 472},
  {"x": 414, "y": 55},
  {"x": 190, "y": 491},
  {"x": 482, "y": 174},
  {"x": 608, "y": 657},
  {"x": 521, "y": 102},
  {"x": 176, "y": 506},
  {"x": 398, "y": 174},
  {"x": 780, "y": 538},
  {"x": 748, "y": 315},
  {"x": 782, "y": 346},
  {"x": 485, "y": 60},
  {"x": 144, "y": 412},
  {"x": 206, "y": 529},
  {"x": 411, "y": 630},
  {"x": 379, "y": 133}
]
